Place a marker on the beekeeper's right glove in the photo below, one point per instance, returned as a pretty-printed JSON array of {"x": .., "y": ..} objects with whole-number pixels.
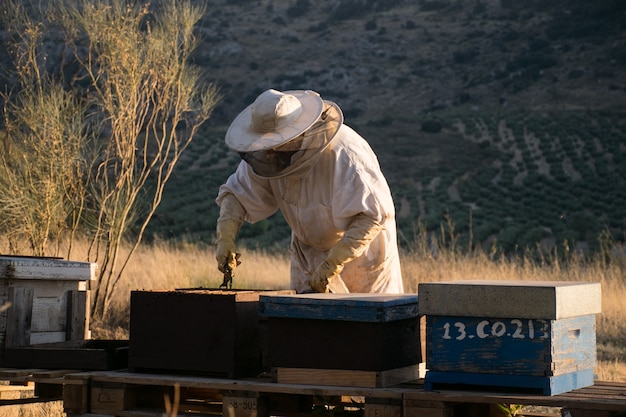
[
  {"x": 232, "y": 215},
  {"x": 356, "y": 239}
]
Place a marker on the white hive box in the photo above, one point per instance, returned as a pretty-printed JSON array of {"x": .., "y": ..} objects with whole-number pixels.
[
  {"x": 521, "y": 335},
  {"x": 44, "y": 300}
]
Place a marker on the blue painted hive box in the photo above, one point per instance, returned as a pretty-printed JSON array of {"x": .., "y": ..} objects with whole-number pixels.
[
  {"x": 537, "y": 337},
  {"x": 343, "y": 339}
]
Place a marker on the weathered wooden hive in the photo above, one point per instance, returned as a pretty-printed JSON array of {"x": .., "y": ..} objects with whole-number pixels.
[
  {"x": 515, "y": 335},
  {"x": 44, "y": 300}
]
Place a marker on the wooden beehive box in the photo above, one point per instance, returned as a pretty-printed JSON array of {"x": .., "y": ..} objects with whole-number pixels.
[
  {"x": 370, "y": 340},
  {"x": 45, "y": 300},
  {"x": 517, "y": 335},
  {"x": 197, "y": 331}
]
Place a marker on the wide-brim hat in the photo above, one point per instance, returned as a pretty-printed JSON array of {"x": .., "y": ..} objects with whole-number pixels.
[{"x": 274, "y": 119}]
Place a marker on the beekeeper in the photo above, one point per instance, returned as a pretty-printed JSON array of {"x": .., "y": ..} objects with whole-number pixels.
[{"x": 299, "y": 158}]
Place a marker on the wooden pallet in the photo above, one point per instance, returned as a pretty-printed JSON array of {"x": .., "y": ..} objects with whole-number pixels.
[
  {"x": 134, "y": 394},
  {"x": 23, "y": 386},
  {"x": 122, "y": 393},
  {"x": 603, "y": 399}
]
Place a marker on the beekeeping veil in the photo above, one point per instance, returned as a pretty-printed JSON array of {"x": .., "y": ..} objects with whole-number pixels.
[{"x": 284, "y": 132}]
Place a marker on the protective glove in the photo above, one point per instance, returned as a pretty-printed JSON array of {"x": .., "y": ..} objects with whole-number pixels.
[
  {"x": 229, "y": 222},
  {"x": 362, "y": 230}
]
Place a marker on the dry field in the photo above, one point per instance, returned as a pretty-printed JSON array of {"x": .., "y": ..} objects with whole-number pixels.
[{"x": 166, "y": 266}]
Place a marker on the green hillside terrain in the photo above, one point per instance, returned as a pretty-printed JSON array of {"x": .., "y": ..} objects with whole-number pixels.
[{"x": 503, "y": 118}]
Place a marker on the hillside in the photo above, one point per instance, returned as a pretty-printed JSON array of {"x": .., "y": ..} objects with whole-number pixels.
[
  {"x": 399, "y": 59},
  {"x": 504, "y": 119}
]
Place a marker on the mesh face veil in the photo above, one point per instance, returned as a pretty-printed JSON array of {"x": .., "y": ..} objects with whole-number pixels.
[{"x": 301, "y": 151}]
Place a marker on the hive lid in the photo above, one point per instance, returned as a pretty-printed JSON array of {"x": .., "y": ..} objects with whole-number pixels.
[
  {"x": 25, "y": 267},
  {"x": 510, "y": 299},
  {"x": 348, "y": 307},
  {"x": 234, "y": 294}
]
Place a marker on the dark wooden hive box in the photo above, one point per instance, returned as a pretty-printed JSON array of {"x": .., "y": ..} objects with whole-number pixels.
[
  {"x": 352, "y": 332},
  {"x": 197, "y": 331}
]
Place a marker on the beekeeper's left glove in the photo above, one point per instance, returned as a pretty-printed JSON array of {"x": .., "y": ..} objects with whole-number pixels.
[
  {"x": 232, "y": 215},
  {"x": 354, "y": 242}
]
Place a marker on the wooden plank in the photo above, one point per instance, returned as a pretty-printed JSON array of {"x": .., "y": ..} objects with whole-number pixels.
[
  {"x": 16, "y": 392},
  {"x": 337, "y": 377},
  {"x": 76, "y": 393},
  {"x": 572, "y": 412},
  {"x": 397, "y": 376},
  {"x": 78, "y": 354},
  {"x": 601, "y": 388},
  {"x": 78, "y": 378},
  {"x": 76, "y": 398},
  {"x": 583, "y": 398},
  {"x": 382, "y": 407},
  {"x": 240, "y": 405},
  {"x": 551, "y": 385},
  {"x": 77, "y": 327},
  {"x": 249, "y": 384},
  {"x": 19, "y": 316},
  {"x": 38, "y": 338},
  {"x": 10, "y": 373},
  {"x": 427, "y": 408},
  {"x": 45, "y": 268},
  {"x": 52, "y": 288},
  {"x": 52, "y": 373},
  {"x": 109, "y": 399},
  {"x": 347, "y": 378},
  {"x": 589, "y": 398}
]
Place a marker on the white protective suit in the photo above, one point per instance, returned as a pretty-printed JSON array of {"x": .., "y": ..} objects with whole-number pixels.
[{"x": 318, "y": 201}]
